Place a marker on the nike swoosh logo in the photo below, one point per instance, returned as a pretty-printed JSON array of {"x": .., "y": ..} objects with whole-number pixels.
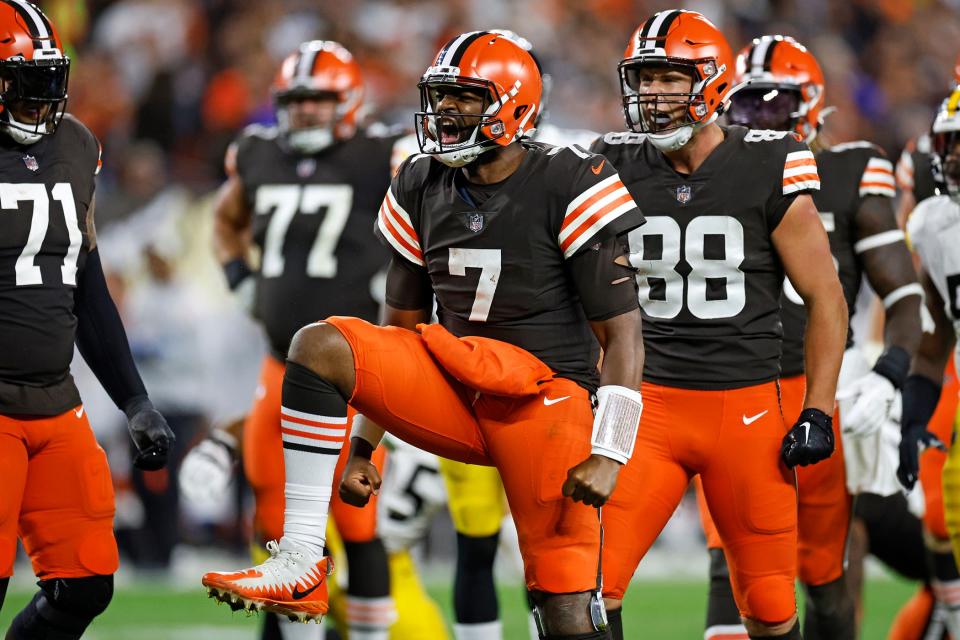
[
  {"x": 79, "y": 412},
  {"x": 299, "y": 595},
  {"x": 748, "y": 421},
  {"x": 596, "y": 170},
  {"x": 547, "y": 401},
  {"x": 806, "y": 433}
]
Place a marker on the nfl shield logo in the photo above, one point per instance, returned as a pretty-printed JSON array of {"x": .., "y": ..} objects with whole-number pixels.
[
  {"x": 31, "y": 163},
  {"x": 475, "y": 222},
  {"x": 306, "y": 167},
  {"x": 684, "y": 193}
]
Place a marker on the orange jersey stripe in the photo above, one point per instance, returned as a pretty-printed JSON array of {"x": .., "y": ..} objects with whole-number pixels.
[
  {"x": 803, "y": 177},
  {"x": 802, "y": 162},
  {"x": 589, "y": 222},
  {"x": 395, "y": 215},
  {"x": 391, "y": 228},
  {"x": 570, "y": 217},
  {"x": 314, "y": 423}
]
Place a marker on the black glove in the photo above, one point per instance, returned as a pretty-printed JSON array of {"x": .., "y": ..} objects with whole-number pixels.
[
  {"x": 809, "y": 441},
  {"x": 914, "y": 440},
  {"x": 151, "y": 434}
]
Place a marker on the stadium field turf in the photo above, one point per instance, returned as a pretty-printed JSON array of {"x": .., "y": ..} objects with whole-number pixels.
[{"x": 664, "y": 610}]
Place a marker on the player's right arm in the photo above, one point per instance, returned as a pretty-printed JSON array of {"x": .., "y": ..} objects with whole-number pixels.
[
  {"x": 921, "y": 391},
  {"x": 231, "y": 224}
]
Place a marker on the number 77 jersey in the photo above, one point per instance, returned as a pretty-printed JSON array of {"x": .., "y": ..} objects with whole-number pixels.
[
  {"x": 709, "y": 275},
  {"x": 498, "y": 257}
]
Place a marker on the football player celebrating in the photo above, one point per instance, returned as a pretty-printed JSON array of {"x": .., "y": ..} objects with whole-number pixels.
[
  {"x": 57, "y": 492},
  {"x": 523, "y": 246},
  {"x": 934, "y": 230},
  {"x": 732, "y": 212},
  {"x": 780, "y": 87},
  {"x": 306, "y": 193}
]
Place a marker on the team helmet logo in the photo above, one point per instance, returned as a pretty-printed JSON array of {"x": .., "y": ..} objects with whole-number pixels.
[
  {"x": 684, "y": 193},
  {"x": 31, "y": 163}
]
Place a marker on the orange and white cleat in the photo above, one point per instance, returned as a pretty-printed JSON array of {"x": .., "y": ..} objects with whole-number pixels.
[{"x": 292, "y": 582}]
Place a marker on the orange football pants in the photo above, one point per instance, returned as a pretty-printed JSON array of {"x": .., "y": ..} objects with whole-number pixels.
[
  {"x": 825, "y": 508},
  {"x": 263, "y": 466},
  {"x": 932, "y": 460},
  {"x": 56, "y": 494},
  {"x": 732, "y": 439},
  {"x": 532, "y": 440}
]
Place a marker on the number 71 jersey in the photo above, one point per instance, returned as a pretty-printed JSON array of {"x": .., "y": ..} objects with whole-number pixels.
[
  {"x": 709, "y": 276},
  {"x": 45, "y": 191}
]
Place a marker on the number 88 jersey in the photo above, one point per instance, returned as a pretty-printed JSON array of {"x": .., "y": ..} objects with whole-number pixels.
[{"x": 709, "y": 275}]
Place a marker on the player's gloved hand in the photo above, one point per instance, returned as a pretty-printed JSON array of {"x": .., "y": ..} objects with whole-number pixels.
[
  {"x": 241, "y": 283},
  {"x": 592, "y": 481},
  {"x": 150, "y": 432},
  {"x": 871, "y": 398},
  {"x": 360, "y": 481},
  {"x": 809, "y": 441},
  {"x": 913, "y": 441},
  {"x": 207, "y": 470}
]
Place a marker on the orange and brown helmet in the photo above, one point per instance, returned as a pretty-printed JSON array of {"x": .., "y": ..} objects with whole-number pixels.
[
  {"x": 497, "y": 68},
  {"x": 687, "y": 41},
  {"x": 319, "y": 69},
  {"x": 33, "y": 73},
  {"x": 779, "y": 85}
]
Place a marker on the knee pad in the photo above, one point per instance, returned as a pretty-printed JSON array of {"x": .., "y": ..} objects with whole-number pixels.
[
  {"x": 543, "y": 605},
  {"x": 769, "y": 600},
  {"x": 83, "y": 599}
]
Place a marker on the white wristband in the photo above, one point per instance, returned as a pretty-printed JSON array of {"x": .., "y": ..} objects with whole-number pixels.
[
  {"x": 364, "y": 428},
  {"x": 616, "y": 422}
]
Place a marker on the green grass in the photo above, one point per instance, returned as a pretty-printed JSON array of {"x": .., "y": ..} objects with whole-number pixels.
[{"x": 664, "y": 610}]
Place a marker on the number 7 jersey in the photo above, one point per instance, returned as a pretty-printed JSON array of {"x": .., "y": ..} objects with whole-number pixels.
[
  {"x": 709, "y": 275},
  {"x": 499, "y": 269}
]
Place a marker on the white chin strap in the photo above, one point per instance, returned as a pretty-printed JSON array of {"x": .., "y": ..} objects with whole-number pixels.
[
  {"x": 671, "y": 140},
  {"x": 456, "y": 157},
  {"x": 20, "y": 132},
  {"x": 311, "y": 140}
]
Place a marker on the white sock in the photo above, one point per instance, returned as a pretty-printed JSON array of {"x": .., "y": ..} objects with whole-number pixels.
[
  {"x": 370, "y": 618},
  {"x": 948, "y": 595},
  {"x": 726, "y": 632},
  {"x": 290, "y": 630},
  {"x": 482, "y": 631},
  {"x": 305, "y": 515}
]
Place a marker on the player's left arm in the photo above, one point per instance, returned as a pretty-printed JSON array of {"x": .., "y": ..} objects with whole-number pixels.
[
  {"x": 801, "y": 242},
  {"x": 888, "y": 265},
  {"x": 921, "y": 391},
  {"x": 103, "y": 344},
  {"x": 608, "y": 292}
]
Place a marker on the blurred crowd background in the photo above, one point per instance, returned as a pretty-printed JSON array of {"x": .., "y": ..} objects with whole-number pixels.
[{"x": 166, "y": 84}]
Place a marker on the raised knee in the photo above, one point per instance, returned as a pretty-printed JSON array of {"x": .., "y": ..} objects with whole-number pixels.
[
  {"x": 770, "y": 601},
  {"x": 321, "y": 348}
]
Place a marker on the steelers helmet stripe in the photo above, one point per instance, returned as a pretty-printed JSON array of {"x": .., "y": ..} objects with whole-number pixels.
[{"x": 35, "y": 21}]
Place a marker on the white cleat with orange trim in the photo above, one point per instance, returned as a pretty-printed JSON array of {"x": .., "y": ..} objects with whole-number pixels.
[{"x": 292, "y": 582}]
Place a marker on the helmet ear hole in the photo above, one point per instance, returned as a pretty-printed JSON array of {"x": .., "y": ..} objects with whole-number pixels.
[{"x": 519, "y": 111}]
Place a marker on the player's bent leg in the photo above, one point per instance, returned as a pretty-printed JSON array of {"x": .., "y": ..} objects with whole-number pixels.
[
  {"x": 830, "y": 612},
  {"x": 62, "y": 609},
  {"x": 263, "y": 453}
]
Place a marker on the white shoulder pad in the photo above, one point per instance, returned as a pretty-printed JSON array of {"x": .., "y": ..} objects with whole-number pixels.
[{"x": 931, "y": 217}]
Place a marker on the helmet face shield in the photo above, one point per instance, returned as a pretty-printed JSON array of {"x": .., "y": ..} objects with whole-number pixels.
[
  {"x": 34, "y": 94},
  {"x": 441, "y": 129},
  {"x": 770, "y": 107},
  {"x": 647, "y": 107}
]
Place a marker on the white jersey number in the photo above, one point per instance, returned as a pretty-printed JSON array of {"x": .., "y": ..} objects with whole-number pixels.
[
  {"x": 663, "y": 289},
  {"x": 488, "y": 261},
  {"x": 11, "y": 195},
  {"x": 285, "y": 201}
]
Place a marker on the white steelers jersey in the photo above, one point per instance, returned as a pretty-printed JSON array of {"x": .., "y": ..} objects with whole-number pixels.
[{"x": 934, "y": 232}]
